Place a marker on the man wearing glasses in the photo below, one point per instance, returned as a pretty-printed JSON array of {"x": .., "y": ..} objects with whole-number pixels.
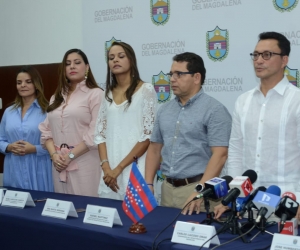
[
  {"x": 191, "y": 133},
  {"x": 265, "y": 132}
]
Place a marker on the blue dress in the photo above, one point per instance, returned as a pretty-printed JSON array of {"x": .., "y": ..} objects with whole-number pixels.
[{"x": 31, "y": 171}]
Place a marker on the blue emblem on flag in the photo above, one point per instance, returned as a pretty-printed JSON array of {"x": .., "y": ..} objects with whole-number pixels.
[
  {"x": 217, "y": 45},
  {"x": 162, "y": 88},
  {"x": 138, "y": 200},
  {"x": 285, "y": 5},
  {"x": 160, "y": 11},
  {"x": 108, "y": 45},
  {"x": 293, "y": 76}
]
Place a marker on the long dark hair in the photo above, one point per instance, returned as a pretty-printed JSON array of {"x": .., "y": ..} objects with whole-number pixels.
[
  {"x": 111, "y": 81},
  {"x": 38, "y": 85},
  {"x": 63, "y": 84}
]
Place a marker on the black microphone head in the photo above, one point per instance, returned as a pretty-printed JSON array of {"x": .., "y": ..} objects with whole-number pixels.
[
  {"x": 228, "y": 179},
  {"x": 251, "y": 174}
]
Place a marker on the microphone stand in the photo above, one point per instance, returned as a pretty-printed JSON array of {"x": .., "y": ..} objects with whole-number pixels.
[
  {"x": 250, "y": 222},
  {"x": 233, "y": 223},
  {"x": 209, "y": 215},
  {"x": 262, "y": 228}
]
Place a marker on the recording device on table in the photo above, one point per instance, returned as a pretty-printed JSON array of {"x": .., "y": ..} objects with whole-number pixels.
[{"x": 215, "y": 188}]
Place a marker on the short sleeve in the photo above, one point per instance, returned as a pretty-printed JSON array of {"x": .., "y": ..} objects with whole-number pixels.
[
  {"x": 101, "y": 123},
  {"x": 149, "y": 111},
  {"x": 219, "y": 127}
]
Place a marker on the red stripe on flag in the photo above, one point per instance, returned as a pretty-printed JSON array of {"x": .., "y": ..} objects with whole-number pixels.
[
  {"x": 142, "y": 194},
  {"x": 128, "y": 213}
]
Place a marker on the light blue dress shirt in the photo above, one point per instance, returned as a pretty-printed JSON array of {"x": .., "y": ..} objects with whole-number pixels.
[{"x": 31, "y": 171}]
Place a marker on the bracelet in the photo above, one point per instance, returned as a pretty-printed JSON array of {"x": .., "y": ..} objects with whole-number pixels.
[
  {"x": 101, "y": 162},
  {"x": 53, "y": 154},
  {"x": 150, "y": 184}
]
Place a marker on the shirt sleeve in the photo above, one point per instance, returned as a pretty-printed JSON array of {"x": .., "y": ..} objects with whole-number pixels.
[
  {"x": 44, "y": 127},
  {"x": 95, "y": 101},
  {"x": 101, "y": 123},
  {"x": 218, "y": 127},
  {"x": 235, "y": 151},
  {"x": 149, "y": 111},
  {"x": 3, "y": 139},
  {"x": 156, "y": 133}
]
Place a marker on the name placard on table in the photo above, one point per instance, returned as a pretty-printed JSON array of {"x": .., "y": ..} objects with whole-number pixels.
[
  {"x": 102, "y": 216},
  {"x": 194, "y": 234},
  {"x": 59, "y": 209},
  {"x": 1, "y": 194},
  {"x": 283, "y": 241},
  {"x": 17, "y": 199}
]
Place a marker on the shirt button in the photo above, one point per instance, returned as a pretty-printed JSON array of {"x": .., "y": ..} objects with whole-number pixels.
[
  {"x": 177, "y": 121},
  {"x": 172, "y": 152},
  {"x": 257, "y": 155},
  {"x": 261, "y": 120},
  {"x": 264, "y": 104},
  {"x": 175, "y": 137},
  {"x": 182, "y": 108},
  {"x": 259, "y": 138}
]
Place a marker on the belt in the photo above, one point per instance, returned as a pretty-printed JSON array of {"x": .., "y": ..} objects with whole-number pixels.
[{"x": 183, "y": 182}]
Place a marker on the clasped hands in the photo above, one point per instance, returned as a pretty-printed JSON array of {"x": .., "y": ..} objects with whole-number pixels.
[
  {"x": 21, "y": 148},
  {"x": 110, "y": 177},
  {"x": 60, "y": 161}
]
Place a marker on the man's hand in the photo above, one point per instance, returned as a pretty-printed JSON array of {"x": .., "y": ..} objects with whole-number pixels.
[
  {"x": 219, "y": 210},
  {"x": 193, "y": 206}
]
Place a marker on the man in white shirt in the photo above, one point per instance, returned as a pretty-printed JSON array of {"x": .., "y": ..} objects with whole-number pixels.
[{"x": 265, "y": 133}]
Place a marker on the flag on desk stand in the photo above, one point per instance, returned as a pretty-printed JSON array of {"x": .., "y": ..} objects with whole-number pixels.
[{"x": 139, "y": 199}]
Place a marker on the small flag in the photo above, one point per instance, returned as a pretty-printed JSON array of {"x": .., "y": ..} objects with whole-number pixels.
[{"x": 139, "y": 199}]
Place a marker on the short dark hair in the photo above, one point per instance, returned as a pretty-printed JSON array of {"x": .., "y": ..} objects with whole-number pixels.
[
  {"x": 283, "y": 43},
  {"x": 194, "y": 63}
]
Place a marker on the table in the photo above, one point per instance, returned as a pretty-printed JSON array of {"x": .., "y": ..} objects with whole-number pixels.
[{"x": 28, "y": 229}]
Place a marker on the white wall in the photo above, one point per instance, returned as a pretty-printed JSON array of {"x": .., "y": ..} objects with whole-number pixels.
[{"x": 38, "y": 31}]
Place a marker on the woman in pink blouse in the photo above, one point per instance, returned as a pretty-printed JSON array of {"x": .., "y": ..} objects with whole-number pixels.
[{"x": 68, "y": 130}]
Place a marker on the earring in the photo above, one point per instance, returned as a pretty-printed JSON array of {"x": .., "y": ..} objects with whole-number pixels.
[{"x": 86, "y": 74}]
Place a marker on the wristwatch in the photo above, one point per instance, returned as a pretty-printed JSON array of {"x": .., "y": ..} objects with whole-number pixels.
[
  {"x": 71, "y": 155},
  {"x": 199, "y": 187}
]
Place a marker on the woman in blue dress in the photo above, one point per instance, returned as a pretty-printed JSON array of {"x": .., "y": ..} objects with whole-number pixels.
[{"x": 26, "y": 164}]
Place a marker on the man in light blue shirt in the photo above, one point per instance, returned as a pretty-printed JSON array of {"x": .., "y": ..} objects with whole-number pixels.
[{"x": 191, "y": 133}]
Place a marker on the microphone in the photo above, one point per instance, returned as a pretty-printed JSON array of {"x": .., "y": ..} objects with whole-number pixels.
[
  {"x": 286, "y": 209},
  {"x": 249, "y": 204},
  {"x": 244, "y": 182},
  {"x": 268, "y": 199},
  {"x": 215, "y": 188},
  {"x": 289, "y": 194},
  {"x": 261, "y": 213},
  {"x": 232, "y": 195}
]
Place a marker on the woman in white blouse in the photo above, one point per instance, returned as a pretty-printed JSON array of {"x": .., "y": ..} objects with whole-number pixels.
[{"x": 125, "y": 121}]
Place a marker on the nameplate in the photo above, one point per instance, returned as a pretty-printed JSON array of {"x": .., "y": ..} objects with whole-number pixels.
[
  {"x": 59, "y": 209},
  {"x": 102, "y": 216},
  {"x": 282, "y": 241},
  {"x": 17, "y": 199},
  {"x": 194, "y": 234}
]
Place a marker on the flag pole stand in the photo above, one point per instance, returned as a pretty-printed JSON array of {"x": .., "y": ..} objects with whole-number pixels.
[{"x": 137, "y": 228}]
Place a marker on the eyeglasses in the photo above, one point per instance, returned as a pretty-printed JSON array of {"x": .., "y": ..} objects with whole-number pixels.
[
  {"x": 266, "y": 55},
  {"x": 177, "y": 74}
]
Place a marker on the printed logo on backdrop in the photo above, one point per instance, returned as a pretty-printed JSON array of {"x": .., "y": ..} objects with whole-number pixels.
[
  {"x": 285, "y": 5},
  {"x": 209, "y": 4},
  {"x": 162, "y": 88},
  {"x": 293, "y": 76},
  {"x": 217, "y": 45},
  {"x": 108, "y": 45},
  {"x": 114, "y": 14},
  {"x": 160, "y": 11}
]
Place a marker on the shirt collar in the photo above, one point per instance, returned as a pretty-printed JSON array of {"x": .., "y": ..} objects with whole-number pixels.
[
  {"x": 279, "y": 88},
  {"x": 192, "y": 99}
]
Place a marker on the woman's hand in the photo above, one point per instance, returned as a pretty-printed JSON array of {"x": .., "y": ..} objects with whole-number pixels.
[
  {"x": 59, "y": 162},
  {"x": 110, "y": 177}
]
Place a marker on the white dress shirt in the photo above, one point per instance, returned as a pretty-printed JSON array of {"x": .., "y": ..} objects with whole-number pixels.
[{"x": 265, "y": 136}]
